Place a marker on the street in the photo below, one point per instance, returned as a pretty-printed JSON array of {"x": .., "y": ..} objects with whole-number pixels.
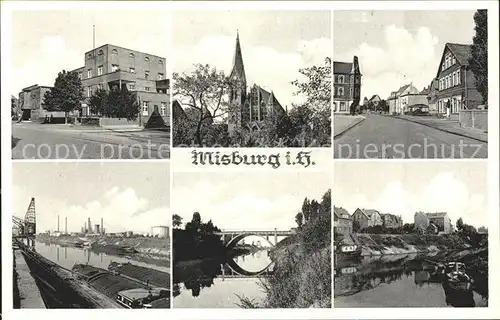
[
  {"x": 380, "y": 137},
  {"x": 36, "y": 141}
]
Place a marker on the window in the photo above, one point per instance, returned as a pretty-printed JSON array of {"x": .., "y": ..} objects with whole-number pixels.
[
  {"x": 160, "y": 76},
  {"x": 342, "y": 106},
  {"x": 341, "y": 79},
  {"x": 146, "y": 75},
  {"x": 350, "y": 92},
  {"x": 160, "y": 61},
  {"x": 352, "y": 79},
  {"x": 147, "y": 89},
  {"x": 146, "y": 59},
  {"x": 89, "y": 73},
  {"x": 89, "y": 92},
  {"x": 163, "y": 109},
  {"x": 458, "y": 76},
  {"x": 89, "y": 56},
  {"x": 145, "y": 108},
  {"x": 132, "y": 70},
  {"x": 340, "y": 91},
  {"x": 131, "y": 55},
  {"x": 114, "y": 52},
  {"x": 453, "y": 60},
  {"x": 131, "y": 86},
  {"x": 80, "y": 75},
  {"x": 99, "y": 70},
  {"x": 100, "y": 53},
  {"x": 114, "y": 67}
]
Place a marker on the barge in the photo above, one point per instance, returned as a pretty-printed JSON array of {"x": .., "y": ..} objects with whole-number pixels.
[
  {"x": 148, "y": 275},
  {"x": 127, "y": 292}
]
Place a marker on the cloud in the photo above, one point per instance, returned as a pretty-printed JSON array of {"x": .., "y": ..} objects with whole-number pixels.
[
  {"x": 445, "y": 192},
  {"x": 401, "y": 58},
  {"x": 265, "y": 66}
]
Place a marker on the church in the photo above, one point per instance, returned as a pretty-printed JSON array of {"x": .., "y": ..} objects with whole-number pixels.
[{"x": 249, "y": 106}]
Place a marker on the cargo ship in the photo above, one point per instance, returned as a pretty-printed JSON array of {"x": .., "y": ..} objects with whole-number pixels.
[
  {"x": 127, "y": 292},
  {"x": 148, "y": 275}
]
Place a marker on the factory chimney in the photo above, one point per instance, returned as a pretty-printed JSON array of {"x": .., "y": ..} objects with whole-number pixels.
[
  {"x": 102, "y": 226},
  {"x": 66, "y": 225},
  {"x": 57, "y": 223},
  {"x": 90, "y": 226}
]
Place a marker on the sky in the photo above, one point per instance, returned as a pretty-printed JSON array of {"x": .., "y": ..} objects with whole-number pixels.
[
  {"x": 274, "y": 44},
  {"x": 246, "y": 200},
  {"x": 398, "y": 47},
  {"x": 46, "y": 42},
  {"x": 458, "y": 188},
  {"x": 128, "y": 196}
]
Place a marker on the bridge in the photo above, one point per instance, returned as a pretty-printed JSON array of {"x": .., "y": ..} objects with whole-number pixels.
[
  {"x": 26, "y": 228},
  {"x": 232, "y": 237}
]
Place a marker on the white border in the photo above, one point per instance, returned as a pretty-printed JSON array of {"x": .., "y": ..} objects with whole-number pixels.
[{"x": 341, "y": 313}]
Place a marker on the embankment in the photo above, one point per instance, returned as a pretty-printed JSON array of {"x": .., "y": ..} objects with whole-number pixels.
[{"x": 387, "y": 244}]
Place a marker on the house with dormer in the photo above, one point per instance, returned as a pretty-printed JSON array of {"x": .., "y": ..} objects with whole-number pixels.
[
  {"x": 367, "y": 218},
  {"x": 456, "y": 82}
]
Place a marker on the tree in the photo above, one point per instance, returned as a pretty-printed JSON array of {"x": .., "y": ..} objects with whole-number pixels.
[
  {"x": 116, "y": 103},
  {"x": 66, "y": 95},
  {"x": 206, "y": 91},
  {"x": 98, "y": 102},
  {"x": 176, "y": 220},
  {"x": 298, "y": 219},
  {"x": 355, "y": 226},
  {"x": 305, "y": 210},
  {"x": 478, "y": 61},
  {"x": 460, "y": 224}
]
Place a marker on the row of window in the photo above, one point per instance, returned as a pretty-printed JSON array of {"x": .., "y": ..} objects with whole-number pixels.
[
  {"x": 451, "y": 80},
  {"x": 114, "y": 68},
  {"x": 449, "y": 60},
  {"x": 115, "y": 52},
  {"x": 340, "y": 79},
  {"x": 131, "y": 87},
  {"x": 342, "y": 106},
  {"x": 162, "y": 111},
  {"x": 339, "y": 91},
  {"x": 455, "y": 104}
]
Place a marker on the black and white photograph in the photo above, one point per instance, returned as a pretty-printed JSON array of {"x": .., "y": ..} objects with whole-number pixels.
[
  {"x": 411, "y": 234},
  {"x": 91, "y": 235},
  {"x": 410, "y": 84},
  {"x": 251, "y": 240},
  {"x": 90, "y": 85},
  {"x": 251, "y": 79}
]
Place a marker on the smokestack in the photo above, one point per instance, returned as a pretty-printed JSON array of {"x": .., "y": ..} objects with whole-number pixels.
[
  {"x": 66, "y": 225},
  {"x": 85, "y": 227},
  {"x": 102, "y": 225},
  {"x": 90, "y": 226},
  {"x": 57, "y": 223}
]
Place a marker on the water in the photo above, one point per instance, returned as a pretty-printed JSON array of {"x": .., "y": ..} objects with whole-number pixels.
[
  {"x": 67, "y": 257},
  {"x": 212, "y": 284},
  {"x": 397, "y": 281}
]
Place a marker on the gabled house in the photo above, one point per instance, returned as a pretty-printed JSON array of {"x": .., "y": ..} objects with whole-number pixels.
[
  {"x": 342, "y": 221},
  {"x": 456, "y": 82},
  {"x": 404, "y": 98},
  {"x": 346, "y": 86},
  {"x": 367, "y": 218}
]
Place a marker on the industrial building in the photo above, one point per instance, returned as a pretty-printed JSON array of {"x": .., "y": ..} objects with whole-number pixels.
[{"x": 160, "y": 231}]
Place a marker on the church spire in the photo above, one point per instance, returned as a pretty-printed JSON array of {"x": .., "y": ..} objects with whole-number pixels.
[{"x": 238, "y": 67}]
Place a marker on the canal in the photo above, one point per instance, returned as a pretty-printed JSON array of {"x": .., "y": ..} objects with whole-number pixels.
[
  {"x": 398, "y": 281},
  {"x": 220, "y": 284},
  {"x": 67, "y": 257}
]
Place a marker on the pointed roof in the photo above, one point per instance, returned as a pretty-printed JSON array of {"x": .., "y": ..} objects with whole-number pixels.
[
  {"x": 462, "y": 53},
  {"x": 238, "y": 70}
]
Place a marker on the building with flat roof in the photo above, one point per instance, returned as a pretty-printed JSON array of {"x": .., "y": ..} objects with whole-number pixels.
[{"x": 110, "y": 66}]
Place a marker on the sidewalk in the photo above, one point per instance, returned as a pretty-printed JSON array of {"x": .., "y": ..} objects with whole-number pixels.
[
  {"x": 343, "y": 123},
  {"x": 447, "y": 125},
  {"x": 28, "y": 289}
]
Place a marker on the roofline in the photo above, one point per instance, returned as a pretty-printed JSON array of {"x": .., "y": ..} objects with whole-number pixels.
[{"x": 114, "y": 45}]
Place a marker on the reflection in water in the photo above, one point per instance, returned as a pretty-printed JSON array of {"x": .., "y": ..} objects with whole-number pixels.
[
  {"x": 401, "y": 281},
  {"x": 68, "y": 256},
  {"x": 212, "y": 283}
]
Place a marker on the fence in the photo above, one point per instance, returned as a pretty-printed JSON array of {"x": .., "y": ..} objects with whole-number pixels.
[{"x": 477, "y": 119}]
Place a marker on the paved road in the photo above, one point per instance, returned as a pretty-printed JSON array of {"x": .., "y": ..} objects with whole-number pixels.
[
  {"x": 385, "y": 137},
  {"x": 37, "y": 142}
]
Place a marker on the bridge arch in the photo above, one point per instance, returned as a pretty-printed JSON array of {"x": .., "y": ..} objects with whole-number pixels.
[
  {"x": 239, "y": 270},
  {"x": 234, "y": 241}
]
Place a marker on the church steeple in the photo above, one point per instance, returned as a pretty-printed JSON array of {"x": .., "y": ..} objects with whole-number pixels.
[{"x": 238, "y": 71}]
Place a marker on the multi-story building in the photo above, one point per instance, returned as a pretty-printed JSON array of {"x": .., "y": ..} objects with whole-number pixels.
[
  {"x": 375, "y": 101},
  {"x": 342, "y": 221},
  {"x": 367, "y": 218},
  {"x": 404, "y": 98},
  {"x": 439, "y": 219},
  {"x": 456, "y": 82},
  {"x": 251, "y": 107},
  {"x": 392, "y": 221},
  {"x": 346, "y": 86},
  {"x": 30, "y": 102},
  {"x": 111, "y": 66}
]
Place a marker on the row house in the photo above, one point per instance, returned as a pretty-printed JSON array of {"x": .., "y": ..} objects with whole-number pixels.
[
  {"x": 456, "y": 83},
  {"x": 367, "y": 218},
  {"x": 404, "y": 98},
  {"x": 346, "y": 86},
  {"x": 111, "y": 66},
  {"x": 342, "y": 221},
  {"x": 392, "y": 221}
]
